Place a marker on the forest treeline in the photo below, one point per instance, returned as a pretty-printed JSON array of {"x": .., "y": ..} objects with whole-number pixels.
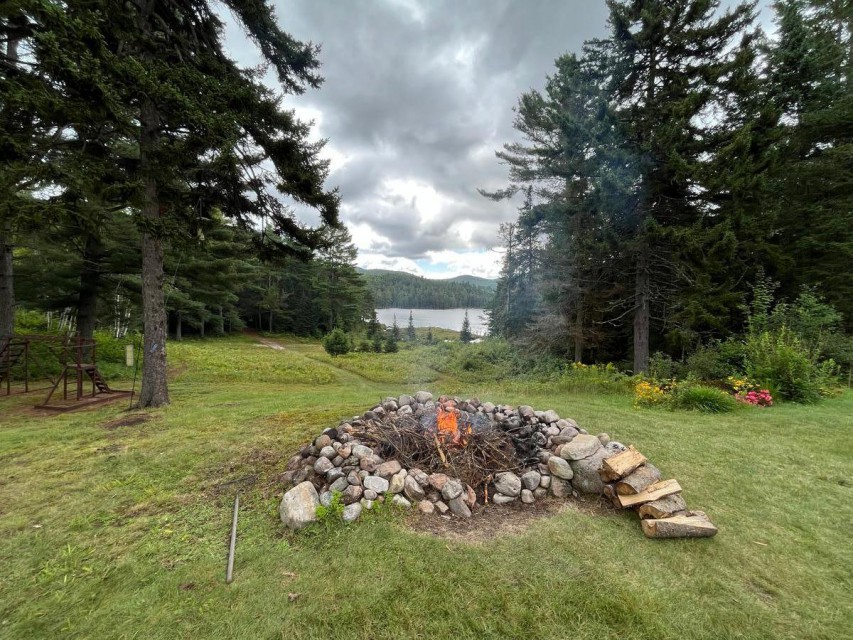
[
  {"x": 408, "y": 291},
  {"x": 674, "y": 167}
]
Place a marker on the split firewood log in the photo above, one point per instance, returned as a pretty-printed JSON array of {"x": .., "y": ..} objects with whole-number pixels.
[
  {"x": 667, "y": 507},
  {"x": 650, "y": 494},
  {"x": 693, "y": 525},
  {"x": 621, "y": 464},
  {"x": 641, "y": 478}
]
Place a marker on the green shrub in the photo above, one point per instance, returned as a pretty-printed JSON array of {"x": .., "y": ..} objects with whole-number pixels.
[
  {"x": 716, "y": 361},
  {"x": 662, "y": 367},
  {"x": 601, "y": 378},
  {"x": 780, "y": 361},
  {"x": 336, "y": 343},
  {"x": 697, "y": 397}
]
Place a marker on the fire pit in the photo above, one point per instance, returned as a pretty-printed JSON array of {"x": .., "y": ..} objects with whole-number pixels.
[{"x": 454, "y": 457}]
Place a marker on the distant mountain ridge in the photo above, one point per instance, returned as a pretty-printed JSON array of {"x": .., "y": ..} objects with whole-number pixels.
[{"x": 405, "y": 290}]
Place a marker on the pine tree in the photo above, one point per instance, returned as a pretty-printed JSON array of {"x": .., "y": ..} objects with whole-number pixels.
[
  {"x": 410, "y": 329},
  {"x": 666, "y": 62},
  {"x": 429, "y": 336},
  {"x": 811, "y": 75},
  {"x": 465, "y": 334}
]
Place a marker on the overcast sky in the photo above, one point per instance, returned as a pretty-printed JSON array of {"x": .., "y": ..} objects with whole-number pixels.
[{"x": 418, "y": 96}]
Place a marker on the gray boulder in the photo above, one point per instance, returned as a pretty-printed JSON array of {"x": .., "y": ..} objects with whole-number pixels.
[
  {"x": 339, "y": 485},
  {"x": 508, "y": 483},
  {"x": 376, "y": 483},
  {"x": 459, "y": 508},
  {"x": 582, "y": 446},
  {"x": 405, "y": 401},
  {"x": 400, "y": 501},
  {"x": 351, "y": 494},
  {"x": 423, "y": 397},
  {"x": 323, "y": 465},
  {"x": 452, "y": 489},
  {"x": 550, "y": 416},
  {"x": 388, "y": 469},
  {"x": 352, "y": 511},
  {"x": 299, "y": 506},
  {"x": 500, "y": 498},
  {"x": 397, "y": 482},
  {"x": 531, "y": 479},
  {"x": 560, "y": 488},
  {"x": 412, "y": 489},
  {"x": 360, "y": 451},
  {"x": 560, "y": 468},
  {"x": 586, "y": 478},
  {"x": 527, "y": 496}
]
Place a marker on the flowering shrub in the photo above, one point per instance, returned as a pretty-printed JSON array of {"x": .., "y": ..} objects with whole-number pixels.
[
  {"x": 649, "y": 394},
  {"x": 742, "y": 385},
  {"x": 760, "y": 398}
]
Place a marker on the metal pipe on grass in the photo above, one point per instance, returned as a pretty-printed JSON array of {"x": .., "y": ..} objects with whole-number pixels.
[{"x": 229, "y": 572}]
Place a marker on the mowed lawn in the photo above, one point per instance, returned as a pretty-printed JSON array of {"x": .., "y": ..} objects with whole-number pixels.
[{"x": 121, "y": 531}]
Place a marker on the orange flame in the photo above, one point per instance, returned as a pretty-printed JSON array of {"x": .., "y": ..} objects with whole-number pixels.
[{"x": 448, "y": 425}]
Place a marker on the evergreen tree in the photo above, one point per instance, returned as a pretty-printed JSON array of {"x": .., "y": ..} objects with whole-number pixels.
[
  {"x": 429, "y": 337},
  {"x": 410, "y": 329},
  {"x": 392, "y": 340},
  {"x": 465, "y": 334},
  {"x": 666, "y": 61},
  {"x": 336, "y": 343},
  {"x": 395, "y": 329},
  {"x": 811, "y": 75}
]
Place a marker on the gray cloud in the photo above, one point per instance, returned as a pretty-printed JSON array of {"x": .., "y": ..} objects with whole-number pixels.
[{"x": 418, "y": 95}]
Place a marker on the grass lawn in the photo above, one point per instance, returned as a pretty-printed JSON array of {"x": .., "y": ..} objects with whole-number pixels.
[{"x": 111, "y": 531}]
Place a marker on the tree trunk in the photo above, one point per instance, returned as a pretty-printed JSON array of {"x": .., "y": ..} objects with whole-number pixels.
[
  {"x": 7, "y": 290},
  {"x": 90, "y": 281},
  {"x": 154, "y": 391},
  {"x": 179, "y": 328},
  {"x": 579, "y": 332},
  {"x": 642, "y": 311}
]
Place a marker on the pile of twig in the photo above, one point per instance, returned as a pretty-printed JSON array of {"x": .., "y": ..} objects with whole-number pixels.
[{"x": 476, "y": 461}]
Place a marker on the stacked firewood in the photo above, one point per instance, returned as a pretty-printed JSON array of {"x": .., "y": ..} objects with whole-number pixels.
[{"x": 632, "y": 482}]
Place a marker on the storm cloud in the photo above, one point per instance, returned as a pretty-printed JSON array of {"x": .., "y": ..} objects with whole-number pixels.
[{"x": 418, "y": 96}]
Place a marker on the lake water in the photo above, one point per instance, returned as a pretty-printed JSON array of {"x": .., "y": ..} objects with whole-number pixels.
[{"x": 443, "y": 318}]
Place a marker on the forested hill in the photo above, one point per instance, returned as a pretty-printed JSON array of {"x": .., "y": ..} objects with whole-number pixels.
[{"x": 407, "y": 291}]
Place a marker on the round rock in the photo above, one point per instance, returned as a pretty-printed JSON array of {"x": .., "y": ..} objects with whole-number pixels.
[
  {"x": 582, "y": 446},
  {"x": 323, "y": 465},
  {"x": 352, "y": 511},
  {"x": 560, "y": 468},
  {"x": 376, "y": 483},
  {"x": 452, "y": 489},
  {"x": 388, "y": 469},
  {"x": 400, "y": 501},
  {"x": 339, "y": 485},
  {"x": 527, "y": 496},
  {"x": 426, "y": 507},
  {"x": 412, "y": 489},
  {"x": 459, "y": 508},
  {"x": 508, "y": 483},
  {"x": 397, "y": 482},
  {"x": 531, "y": 479},
  {"x": 299, "y": 506}
]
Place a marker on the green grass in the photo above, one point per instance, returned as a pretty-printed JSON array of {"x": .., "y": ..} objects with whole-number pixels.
[{"x": 122, "y": 533}]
